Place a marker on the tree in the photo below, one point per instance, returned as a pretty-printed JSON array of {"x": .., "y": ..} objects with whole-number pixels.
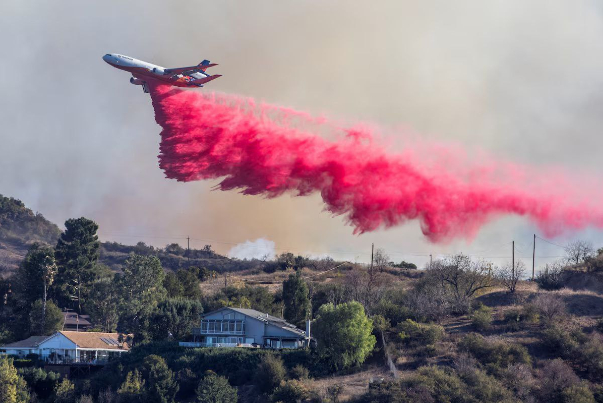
[
  {"x": 132, "y": 390},
  {"x": 44, "y": 323},
  {"x": 296, "y": 299},
  {"x": 13, "y": 388},
  {"x": 76, "y": 253},
  {"x": 509, "y": 276},
  {"x": 216, "y": 389},
  {"x": 190, "y": 282},
  {"x": 35, "y": 274},
  {"x": 64, "y": 392},
  {"x": 269, "y": 373},
  {"x": 103, "y": 304},
  {"x": 463, "y": 277},
  {"x": 578, "y": 251},
  {"x": 174, "y": 318},
  {"x": 380, "y": 260},
  {"x": 172, "y": 285},
  {"x": 141, "y": 287},
  {"x": 343, "y": 334},
  {"x": 161, "y": 384}
]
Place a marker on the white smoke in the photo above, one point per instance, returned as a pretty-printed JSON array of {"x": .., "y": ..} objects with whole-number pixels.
[{"x": 259, "y": 249}]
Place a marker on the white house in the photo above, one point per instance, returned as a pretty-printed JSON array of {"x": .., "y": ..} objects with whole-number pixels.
[
  {"x": 67, "y": 347},
  {"x": 239, "y": 327},
  {"x": 22, "y": 348}
]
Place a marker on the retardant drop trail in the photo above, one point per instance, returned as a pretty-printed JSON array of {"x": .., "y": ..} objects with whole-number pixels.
[{"x": 258, "y": 150}]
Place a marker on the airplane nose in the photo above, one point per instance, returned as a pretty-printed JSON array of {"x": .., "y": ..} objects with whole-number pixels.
[{"x": 107, "y": 58}]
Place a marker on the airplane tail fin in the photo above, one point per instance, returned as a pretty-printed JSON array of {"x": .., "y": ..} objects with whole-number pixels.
[{"x": 205, "y": 64}]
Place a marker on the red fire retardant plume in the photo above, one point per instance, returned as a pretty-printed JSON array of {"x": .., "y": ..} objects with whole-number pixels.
[{"x": 265, "y": 150}]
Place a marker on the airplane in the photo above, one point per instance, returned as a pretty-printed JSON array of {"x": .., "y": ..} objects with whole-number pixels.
[{"x": 193, "y": 76}]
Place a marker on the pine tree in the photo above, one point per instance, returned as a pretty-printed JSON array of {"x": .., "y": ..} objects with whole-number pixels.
[
  {"x": 76, "y": 254},
  {"x": 132, "y": 390},
  {"x": 296, "y": 299}
]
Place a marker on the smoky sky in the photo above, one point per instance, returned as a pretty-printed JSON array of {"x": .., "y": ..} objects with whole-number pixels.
[{"x": 520, "y": 79}]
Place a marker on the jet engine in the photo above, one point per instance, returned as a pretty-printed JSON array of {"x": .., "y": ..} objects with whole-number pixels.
[
  {"x": 158, "y": 71},
  {"x": 136, "y": 81}
]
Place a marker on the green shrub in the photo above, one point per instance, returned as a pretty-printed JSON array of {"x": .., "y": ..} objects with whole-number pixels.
[
  {"x": 443, "y": 384},
  {"x": 440, "y": 384},
  {"x": 300, "y": 372},
  {"x": 291, "y": 391},
  {"x": 495, "y": 354},
  {"x": 216, "y": 389},
  {"x": 513, "y": 320},
  {"x": 269, "y": 373},
  {"x": 412, "y": 332},
  {"x": 530, "y": 313},
  {"x": 481, "y": 319},
  {"x": 485, "y": 388},
  {"x": 590, "y": 356},
  {"x": 559, "y": 341},
  {"x": 392, "y": 312},
  {"x": 551, "y": 278}
]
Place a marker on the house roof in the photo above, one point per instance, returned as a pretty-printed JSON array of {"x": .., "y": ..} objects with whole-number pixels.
[
  {"x": 71, "y": 318},
  {"x": 30, "y": 342},
  {"x": 106, "y": 341},
  {"x": 264, "y": 317}
]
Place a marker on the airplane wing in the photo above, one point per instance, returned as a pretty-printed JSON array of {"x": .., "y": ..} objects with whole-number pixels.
[
  {"x": 199, "y": 82},
  {"x": 204, "y": 65}
]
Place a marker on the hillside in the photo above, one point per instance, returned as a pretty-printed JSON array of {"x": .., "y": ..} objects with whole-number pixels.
[
  {"x": 172, "y": 257},
  {"x": 20, "y": 227}
]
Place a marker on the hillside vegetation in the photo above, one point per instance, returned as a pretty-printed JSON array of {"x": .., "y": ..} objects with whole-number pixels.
[
  {"x": 460, "y": 331},
  {"x": 19, "y": 228}
]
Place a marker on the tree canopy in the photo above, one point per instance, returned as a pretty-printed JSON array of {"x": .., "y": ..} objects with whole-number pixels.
[{"x": 343, "y": 334}]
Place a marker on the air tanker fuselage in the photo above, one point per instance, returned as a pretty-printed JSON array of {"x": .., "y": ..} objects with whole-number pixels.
[{"x": 193, "y": 76}]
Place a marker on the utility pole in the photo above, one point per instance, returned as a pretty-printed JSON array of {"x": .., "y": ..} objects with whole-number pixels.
[
  {"x": 513, "y": 270},
  {"x": 430, "y": 260},
  {"x": 188, "y": 249},
  {"x": 534, "y": 257},
  {"x": 372, "y": 253},
  {"x": 225, "y": 284}
]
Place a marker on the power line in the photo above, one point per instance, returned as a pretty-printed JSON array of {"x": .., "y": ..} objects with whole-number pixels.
[
  {"x": 477, "y": 254},
  {"x": 552, "y": 243}
]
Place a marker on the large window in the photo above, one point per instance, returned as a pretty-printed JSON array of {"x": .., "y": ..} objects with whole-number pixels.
[{"x": 211, "y": 326}]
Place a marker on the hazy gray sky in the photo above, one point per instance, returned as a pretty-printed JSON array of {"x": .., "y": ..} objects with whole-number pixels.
[{"x": 522, "y": 79}]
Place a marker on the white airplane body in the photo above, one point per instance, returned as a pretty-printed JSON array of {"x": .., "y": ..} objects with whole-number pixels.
[{"x": 193, "y": 76}]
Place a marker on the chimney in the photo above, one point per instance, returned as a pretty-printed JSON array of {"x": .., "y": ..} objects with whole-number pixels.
[{"x": 308, "y": 328}]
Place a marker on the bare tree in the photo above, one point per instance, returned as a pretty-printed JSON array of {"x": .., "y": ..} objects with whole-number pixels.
[
  {"x": 463, "y": 276},
  {"x": 381, "y": 260},
  {"x": 509, "y": 276},
  {"x": 578, "y": 251},
  {"x": 365, "y": 286}
]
